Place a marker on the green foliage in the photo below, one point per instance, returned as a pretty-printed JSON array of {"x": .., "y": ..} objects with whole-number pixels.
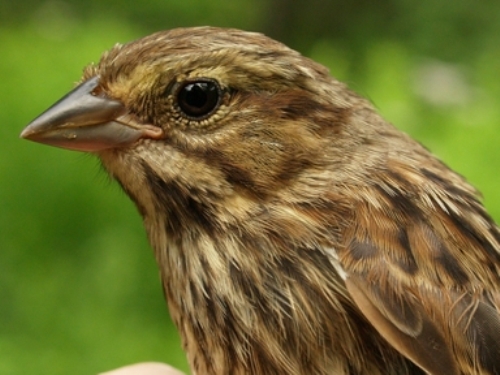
[{"x": 78, "y": 283}]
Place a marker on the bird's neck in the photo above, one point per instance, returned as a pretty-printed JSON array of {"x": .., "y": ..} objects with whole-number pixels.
[{"x": 250, "y": 285}]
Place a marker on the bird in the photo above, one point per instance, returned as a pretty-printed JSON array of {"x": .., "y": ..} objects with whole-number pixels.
[{"x": 295, "y": 229}]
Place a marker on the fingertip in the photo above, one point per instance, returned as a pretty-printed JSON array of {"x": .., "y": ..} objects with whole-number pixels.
[{"x": 145, "y": 368}]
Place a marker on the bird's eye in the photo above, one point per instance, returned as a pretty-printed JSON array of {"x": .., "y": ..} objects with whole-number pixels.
[{"x": 199, "y": 99}]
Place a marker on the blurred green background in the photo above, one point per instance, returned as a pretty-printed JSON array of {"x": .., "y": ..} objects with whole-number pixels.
[{"x": 79, "y": 289}]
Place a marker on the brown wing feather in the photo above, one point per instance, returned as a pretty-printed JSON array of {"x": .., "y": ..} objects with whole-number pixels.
[
  {"x": 404, "y": 326},
  {"x": 425, "y": 274}
]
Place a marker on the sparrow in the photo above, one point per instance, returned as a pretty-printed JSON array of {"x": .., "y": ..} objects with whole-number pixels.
[{"x": 296, "y": 231}]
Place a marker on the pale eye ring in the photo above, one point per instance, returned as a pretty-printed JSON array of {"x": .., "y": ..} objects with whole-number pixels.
[{"x": 199, "y": 99}]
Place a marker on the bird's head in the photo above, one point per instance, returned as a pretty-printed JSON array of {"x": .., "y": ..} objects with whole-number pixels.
[{"x": 207, "y": 118}]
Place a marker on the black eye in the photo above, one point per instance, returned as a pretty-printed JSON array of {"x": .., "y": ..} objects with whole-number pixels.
[{"x": 198, "y": 99}]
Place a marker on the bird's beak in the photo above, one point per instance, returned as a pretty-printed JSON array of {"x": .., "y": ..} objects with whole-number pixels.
[{"x": 84, "y": 121}]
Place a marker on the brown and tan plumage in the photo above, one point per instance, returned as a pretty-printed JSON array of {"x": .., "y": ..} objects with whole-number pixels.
[{"x": 296, "y": 231}]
